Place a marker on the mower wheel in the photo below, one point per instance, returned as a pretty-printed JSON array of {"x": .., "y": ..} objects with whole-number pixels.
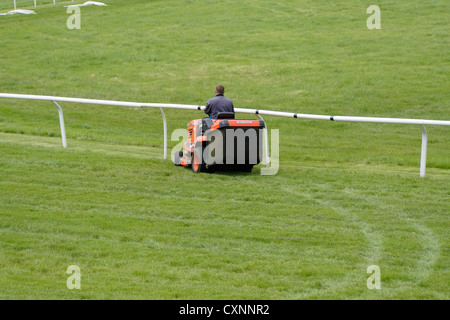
[{"x": 198, "y": 163}]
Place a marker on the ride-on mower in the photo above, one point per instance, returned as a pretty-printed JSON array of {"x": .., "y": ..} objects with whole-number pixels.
[{"x": 224, "y": 143}]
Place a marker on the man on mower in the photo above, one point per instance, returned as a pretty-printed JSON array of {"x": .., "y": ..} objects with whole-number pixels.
[{"x": 219, "y": 103}]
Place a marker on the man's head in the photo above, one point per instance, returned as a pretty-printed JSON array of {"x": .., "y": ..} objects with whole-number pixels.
[{"x": 220, "y": 89}]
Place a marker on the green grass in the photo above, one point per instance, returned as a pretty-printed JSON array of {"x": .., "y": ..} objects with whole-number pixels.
[{"x": 347, "y": 195}]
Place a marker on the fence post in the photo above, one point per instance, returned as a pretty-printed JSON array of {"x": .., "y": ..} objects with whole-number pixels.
[
  {"x": 423, "y": 154},
  {"x": 266, "y": 141},
  {"x": 165, "y": 132},
  {"x": 61, "y": 123}
]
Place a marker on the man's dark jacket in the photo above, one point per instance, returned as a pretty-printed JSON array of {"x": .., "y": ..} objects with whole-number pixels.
[{"x": 219, "y": 103}]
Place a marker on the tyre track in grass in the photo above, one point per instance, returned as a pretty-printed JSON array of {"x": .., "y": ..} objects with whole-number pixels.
[
  {"x": 373, "y": 253},
  {"x": 142, "y": 152},
  {"x": 429, "y": 253}
]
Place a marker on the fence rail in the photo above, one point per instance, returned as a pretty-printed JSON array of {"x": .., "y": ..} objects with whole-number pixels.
[
  {"x": 35, "y": 4},
  {"x": 258, "y": 112}
]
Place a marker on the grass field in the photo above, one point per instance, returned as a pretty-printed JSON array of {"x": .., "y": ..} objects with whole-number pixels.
[{"x": 346, "y": 196}]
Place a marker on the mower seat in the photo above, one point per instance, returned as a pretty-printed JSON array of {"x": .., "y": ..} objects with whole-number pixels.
[{"x": 225, "y": 115}]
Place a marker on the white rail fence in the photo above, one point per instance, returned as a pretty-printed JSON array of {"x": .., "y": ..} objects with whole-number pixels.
[
  {"x": 15, "y": 5},
  {"x": 258, "y": 112}
]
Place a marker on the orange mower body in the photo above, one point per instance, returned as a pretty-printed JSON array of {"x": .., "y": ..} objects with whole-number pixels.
[{"x": 222, "y": 144}]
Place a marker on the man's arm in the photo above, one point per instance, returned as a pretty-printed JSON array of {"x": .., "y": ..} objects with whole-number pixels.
[{"x": 208, "y": 108}]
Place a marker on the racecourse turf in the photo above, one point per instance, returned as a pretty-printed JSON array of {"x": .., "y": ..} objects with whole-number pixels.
[{"x": 346, "y": 196}]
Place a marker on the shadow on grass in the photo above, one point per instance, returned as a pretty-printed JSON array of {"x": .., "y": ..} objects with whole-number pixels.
[{"x": 227, "y": 171}]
